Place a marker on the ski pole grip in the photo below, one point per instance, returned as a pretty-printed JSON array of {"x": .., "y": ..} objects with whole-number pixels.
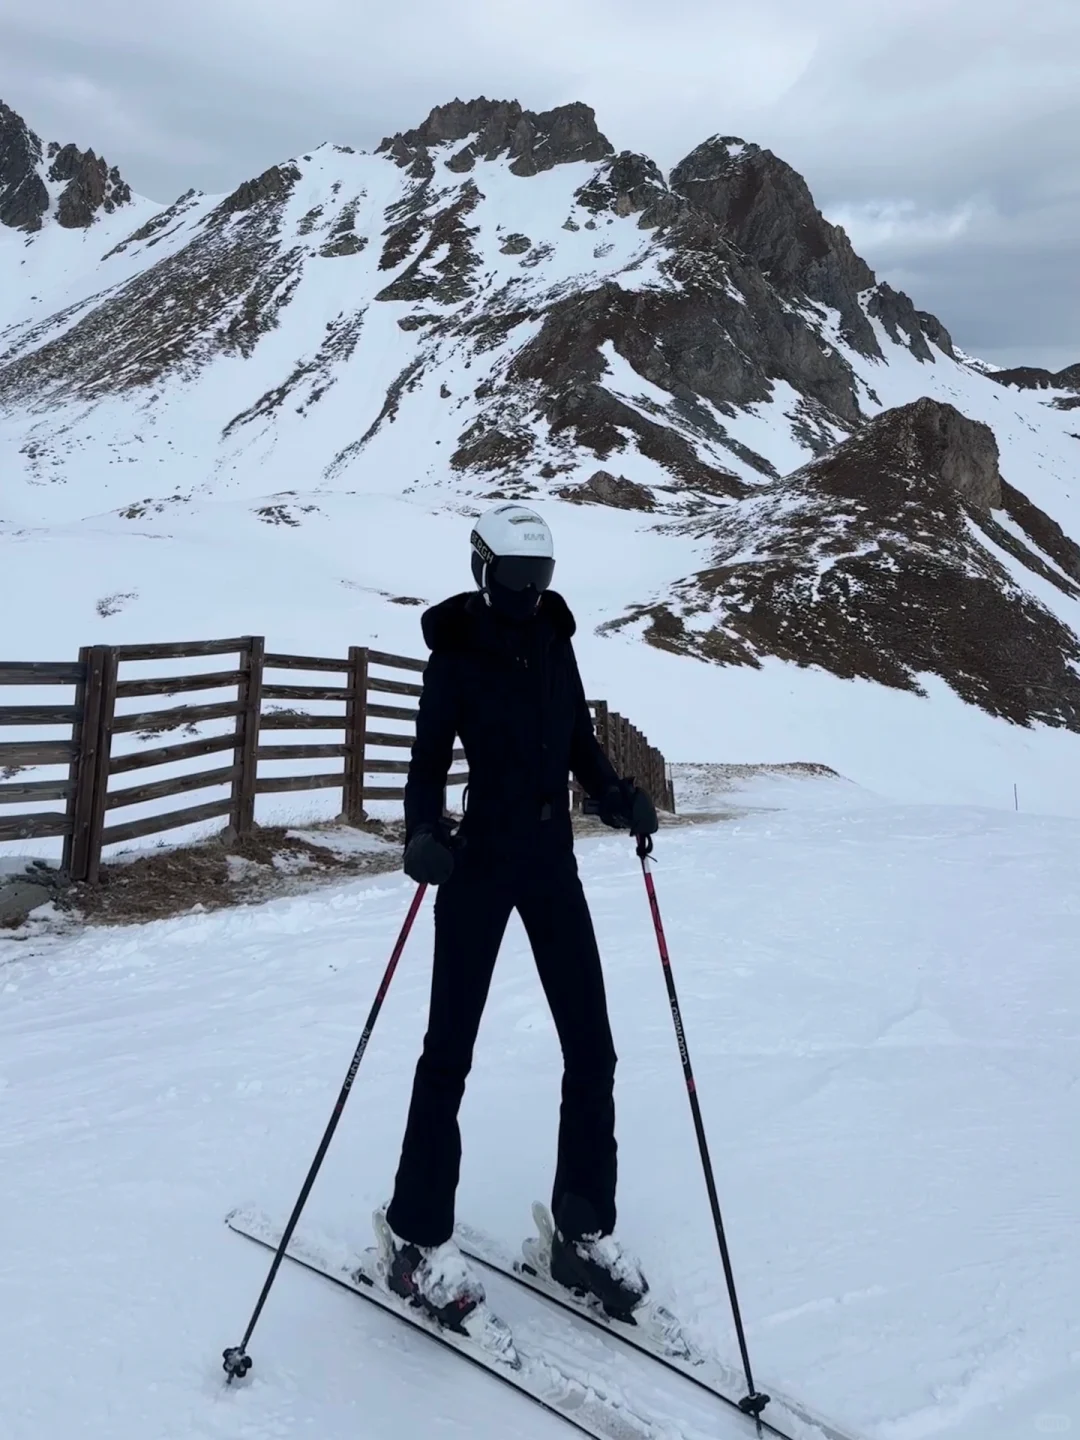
[{"x": 644, "y": 842}]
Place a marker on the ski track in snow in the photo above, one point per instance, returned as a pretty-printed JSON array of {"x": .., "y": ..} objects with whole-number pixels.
[{"x": 883, "y": 1010}]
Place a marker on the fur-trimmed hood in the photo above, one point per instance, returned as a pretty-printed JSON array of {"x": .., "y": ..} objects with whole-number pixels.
[{"x": 464, "y": 620}]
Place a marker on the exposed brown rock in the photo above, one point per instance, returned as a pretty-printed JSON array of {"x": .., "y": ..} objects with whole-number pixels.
[
  {"x": 516, "y": 245},
  {"x": 765, "y": 209},
  {"x": 936, "y": 333},
  {"x": 1031, "y": 377},
  {"x": 874, "y": 569},
  {"x": 941, "y": 443},
  {"x": 1046, "y": 534},
  {"x": 158, "y": 225},
  {"x": 698, "y": 341},
  {"x": 463, "y": 161},
  {"x": 900, "y": 318},
  {"x": 603, "y": 488},
  {"x": 220, "y": 292},
  {"x": 343, "y": 239},
  {"x": 449, "y": 278},
  {"x": 483, "y": 448},
  {"x": 632, "y": 184},
  {"x": 92, "y": 186},
  {"x": 532, "y": 142},
  {"x": 274, "y": 185},
  {"x": 23, "y": 196}
]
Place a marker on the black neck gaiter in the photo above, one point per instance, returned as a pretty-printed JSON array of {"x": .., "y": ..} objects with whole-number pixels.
[{"x": 514, "y": 605}]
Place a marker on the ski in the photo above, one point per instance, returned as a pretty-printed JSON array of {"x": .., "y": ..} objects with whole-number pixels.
[
  {"x": 577, "y": 1402},
  {"x": 655, "y": 1332}
]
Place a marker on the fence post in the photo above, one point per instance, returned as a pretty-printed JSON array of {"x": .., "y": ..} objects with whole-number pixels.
[
  {"x": 352, "y": 794},
  {"x": 246, "y": 753},
  {"x": 81, "y": 773},
  {"x": 99, "y": 783},
  {"x": 614, "y": 749},
  {"x": 603, "y": 727}
]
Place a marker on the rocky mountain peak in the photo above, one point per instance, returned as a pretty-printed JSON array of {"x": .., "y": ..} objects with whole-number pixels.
[
  {"x": 895, "y": 555},
  {"x": 930, "y": 440},
  {"x": 23, "y": 196},
  {"x": 90, "y": 184},
  {"x": 765, "y": 209},
  {"x": 532, "y": 141}
]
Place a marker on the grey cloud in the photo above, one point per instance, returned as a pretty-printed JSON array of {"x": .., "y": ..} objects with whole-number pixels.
[{"x": 919, "y": 112}]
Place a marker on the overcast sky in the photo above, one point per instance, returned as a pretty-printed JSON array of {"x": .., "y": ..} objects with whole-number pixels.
[{"x": 944, "y": 134}]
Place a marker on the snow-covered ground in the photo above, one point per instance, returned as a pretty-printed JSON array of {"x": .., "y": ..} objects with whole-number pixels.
[{"x": 883, "y": 1009}]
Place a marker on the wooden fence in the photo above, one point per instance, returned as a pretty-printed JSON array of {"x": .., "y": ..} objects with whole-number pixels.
[{"x": 105, "y": 727}]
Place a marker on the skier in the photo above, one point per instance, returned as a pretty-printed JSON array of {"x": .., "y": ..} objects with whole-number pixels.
[{"x": 503, "y": 677}]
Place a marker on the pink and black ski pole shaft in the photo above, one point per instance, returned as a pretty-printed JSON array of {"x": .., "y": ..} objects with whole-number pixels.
[
  {"x": 753, "y": 1402},
  {"x": 237, "y": 1362}
]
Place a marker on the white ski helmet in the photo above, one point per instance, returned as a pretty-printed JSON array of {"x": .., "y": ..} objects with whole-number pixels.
[{"x": 512, "y": 546}]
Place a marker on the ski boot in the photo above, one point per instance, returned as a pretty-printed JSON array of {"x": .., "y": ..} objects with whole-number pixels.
[
  {"x": 632, "y": 1304},
  {"x": 438, "y": 1280},
  {"x": 599, "y": 1266},
  {"x": 435, "y": 1278}
]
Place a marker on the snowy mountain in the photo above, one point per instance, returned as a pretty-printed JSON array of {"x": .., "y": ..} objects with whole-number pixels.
[{"x": 271, "y": 411}]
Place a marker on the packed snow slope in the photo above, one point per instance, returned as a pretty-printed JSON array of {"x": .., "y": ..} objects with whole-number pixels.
[
  {"x": 274, "y": 412},
  {"x": 883, "y": 1010}
]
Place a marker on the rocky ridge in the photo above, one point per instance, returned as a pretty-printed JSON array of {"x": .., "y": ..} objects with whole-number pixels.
[
  {"x": 871, "y": 562},
  {"x": 491, "y": 129},
  {"x": 36, "y": 180}
]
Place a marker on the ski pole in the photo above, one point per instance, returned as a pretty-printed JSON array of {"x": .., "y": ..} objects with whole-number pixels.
[
  {"x": 753, "y": 1402},
  {"x": 237, "y": 1362}
]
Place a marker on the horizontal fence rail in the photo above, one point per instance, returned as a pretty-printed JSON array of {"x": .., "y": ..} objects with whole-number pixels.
[{"x": 109, "y": 730}]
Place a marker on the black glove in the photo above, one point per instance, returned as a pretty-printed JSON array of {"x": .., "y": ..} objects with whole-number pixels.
[
  {"x": 626, "y": 806},
  {"x": 428, "y": 857},
  {"x": 643, "y": 819}
]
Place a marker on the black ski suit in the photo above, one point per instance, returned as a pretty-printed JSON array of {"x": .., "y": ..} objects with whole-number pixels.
[{"x": 512, "y": 693}]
